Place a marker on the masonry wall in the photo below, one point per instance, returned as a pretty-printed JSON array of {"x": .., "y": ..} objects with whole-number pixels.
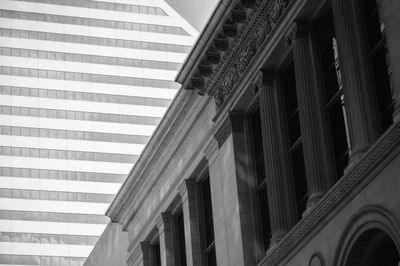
[{"x": 110, "y": 249}]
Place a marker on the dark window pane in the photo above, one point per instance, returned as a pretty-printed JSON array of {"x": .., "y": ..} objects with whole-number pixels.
[
  {"x": 299, "y": 174},
  {"x": 181, "y": 239}
]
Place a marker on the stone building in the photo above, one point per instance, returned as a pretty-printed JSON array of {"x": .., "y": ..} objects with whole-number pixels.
[{"x": 281, "y": 148}]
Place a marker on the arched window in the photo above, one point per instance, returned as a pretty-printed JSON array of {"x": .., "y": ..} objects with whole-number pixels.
[{"x": 373, "y": 248}]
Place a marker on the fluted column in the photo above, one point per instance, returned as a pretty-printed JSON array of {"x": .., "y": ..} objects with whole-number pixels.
[
  {"x": 280, "y": 188},
  {"x": 191, "y": 206},
  {"x": 389, "y": 11},
  {"x": 361, "y": 106},
  {"x": 166, "y": 238},
  {"x": 317, "y": 154}
]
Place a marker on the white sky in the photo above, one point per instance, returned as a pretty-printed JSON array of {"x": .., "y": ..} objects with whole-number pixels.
[{"x": 196, "y": 12}]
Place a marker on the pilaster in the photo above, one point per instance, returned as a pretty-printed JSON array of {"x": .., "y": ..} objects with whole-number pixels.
[
  {"x": 147, "y": 254},
  {"x": 235, "y": 241},
  {"x": 280, "y": 188},
  {"x": 358, "y": 85},
  {"x": 389, "y": 11},
  {"x": 317, "y": 154},
  {"x": 166, "y": 238},
  {"x": 191, "y": 205}
]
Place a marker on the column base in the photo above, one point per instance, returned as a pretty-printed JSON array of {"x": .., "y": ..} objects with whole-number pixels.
[
  {"x": 355, "y": 158},
  {"x": 312, "y": 202},
  {"x": 276, "y": 238}
]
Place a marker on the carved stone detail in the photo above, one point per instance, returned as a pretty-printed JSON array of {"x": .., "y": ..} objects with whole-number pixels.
[
  {"x": 246, "y": 42},
  {"x": 350, "y": 183}
]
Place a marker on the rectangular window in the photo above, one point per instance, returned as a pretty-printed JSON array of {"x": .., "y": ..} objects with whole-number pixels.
[
  {"x": 209, "y": 247},
  {"x": 180, "y": 238},
  {"x": 261, "y": 186},
  {"x": 295, "y": 139},
  {"x": 379, "y": 59},
  {"x": 335, "y": 102},
  {"x": 156, "y": 255}
]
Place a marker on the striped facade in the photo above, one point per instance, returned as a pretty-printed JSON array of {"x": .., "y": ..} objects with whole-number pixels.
[{"x": 83, "y": 84}]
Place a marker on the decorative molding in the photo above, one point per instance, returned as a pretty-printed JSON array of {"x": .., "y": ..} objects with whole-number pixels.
[
  {"x": 164, "y": 218},
  {"x": 246, "y": 40},
  {"x": 341, "y": 192},
  {"x": 264, "y": 79},
  {"x": 232, "y": 123},
  {"x": 369, "y": 217},
  {"x": 185, "y": 186},
  {"x": 317, "y": 259},
  {"x": 297, "y": 30}
]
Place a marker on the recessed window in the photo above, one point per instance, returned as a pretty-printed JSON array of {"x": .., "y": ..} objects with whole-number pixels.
[
  {"x": 379, "y": 60},
  {"x": 335, "y": 101},
  {"x": 261, "y": 186},
  {"x": 156, "y": 255},
  {"x": 180, "y": 229},
  {"x": 295, "y": 139},
  {"x": 209, "y": 245}
]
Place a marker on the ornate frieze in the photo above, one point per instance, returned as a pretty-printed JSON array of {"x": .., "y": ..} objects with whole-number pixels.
[{"x": 245, "y": 31}]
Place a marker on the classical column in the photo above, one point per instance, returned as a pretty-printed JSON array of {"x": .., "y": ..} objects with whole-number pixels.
[
  {"x": 361, "y": 106},
  {"x": 389, "y": 11},
  {"x": 147, "y": 254},
  {"x": 166, "y": 238},
  {"x": 316, "y": 147},
  {"x": 191, "y": 207},
  {"x": 280, "y": 188}
]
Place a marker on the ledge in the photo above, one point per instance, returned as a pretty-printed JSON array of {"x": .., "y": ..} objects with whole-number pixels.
[{"x": 342, "y": 192}]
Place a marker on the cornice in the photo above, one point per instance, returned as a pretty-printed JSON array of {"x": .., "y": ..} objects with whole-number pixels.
[
  {"x": 176, "y": 114},
  {"x": 244, "y": 31},
  {"x": 346, "y": 188},
  {"x": 152, "y": 168}
]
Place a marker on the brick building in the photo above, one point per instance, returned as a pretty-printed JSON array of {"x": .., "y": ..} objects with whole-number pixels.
[{"x": 281, "y": 148}]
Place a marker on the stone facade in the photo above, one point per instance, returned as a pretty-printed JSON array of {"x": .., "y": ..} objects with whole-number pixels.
[
  {"x": 300, "y": 83},
  {"x": 111, "y": 248}
]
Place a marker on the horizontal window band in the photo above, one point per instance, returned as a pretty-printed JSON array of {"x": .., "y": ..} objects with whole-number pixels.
[
  {"x": 78, "y": 115},
  {"x": 61, "y": 175},
  {"x": 40, "y": 260},
  {"x": 67, "y": 155},
  {"x": 55, "y": 195},
  {"x": 16, "y": 237},
  {"x": 83, "y": 96},
  {"x": 53, "y": 217},
  {"x": 92, "y": 59},
  {"x": 73, "y": 135},
  {"x": 92, "y": 22},
  {"x": 71, "y": 38},
  {"x": 120, "y": 7},
  {"x": 87, "y": 77}
]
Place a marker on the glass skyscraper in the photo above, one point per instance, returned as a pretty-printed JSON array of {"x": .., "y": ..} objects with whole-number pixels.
[{"x": 83, "y": 84}]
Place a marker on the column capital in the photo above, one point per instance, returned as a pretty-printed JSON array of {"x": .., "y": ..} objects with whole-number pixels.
[
  {"x": 162, "y": 219},
  {"x": 233, "y": 122},
  {"x": 264, "y": 79},
  {"x": 187, "y": 185},
  {"x": 297, "y": 30},
  {"x": 145, "y": 246}
]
